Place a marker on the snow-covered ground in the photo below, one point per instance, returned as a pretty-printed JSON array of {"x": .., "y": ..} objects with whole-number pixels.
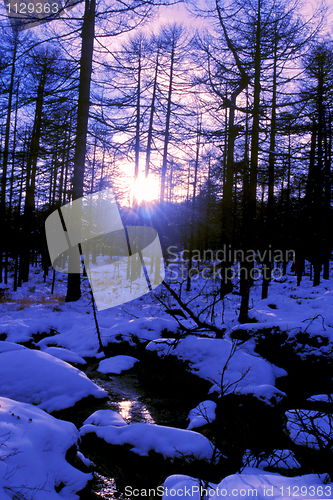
[{"x": 60, "y": 334}]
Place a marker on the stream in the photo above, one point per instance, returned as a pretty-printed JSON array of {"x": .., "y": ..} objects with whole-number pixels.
[
  {"x": 163, "y": 392},
  {"x": 134, "y": 403}
]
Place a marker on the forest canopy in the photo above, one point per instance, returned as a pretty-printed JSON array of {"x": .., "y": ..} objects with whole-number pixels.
[{"x": 216, "y": 131}]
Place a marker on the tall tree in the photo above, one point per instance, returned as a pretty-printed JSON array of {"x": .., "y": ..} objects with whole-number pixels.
[
  {"x": 88, "y": 35},
  {"x": 5, "y": 154},
  {"x": 319, "y": 69}
]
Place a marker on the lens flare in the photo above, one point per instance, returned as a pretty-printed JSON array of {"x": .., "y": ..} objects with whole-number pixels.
[{"x": 145, "y": 189}]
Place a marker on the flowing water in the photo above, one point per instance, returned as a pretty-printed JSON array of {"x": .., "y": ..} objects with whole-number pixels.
[{"x": 130, "y": 400}]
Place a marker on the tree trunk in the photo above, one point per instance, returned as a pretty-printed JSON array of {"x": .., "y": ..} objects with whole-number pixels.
[
  {"x": 270, "y": 230},
  {"x": 152, "y": 110},
  {"x": 88, "y": 34},
  {"x": 190, "y": 261},
  {"x": 167, "y": 125},
  {"x": 3, "y": 221},
  {"x": 138, "y": 117},
  {"x": 327, "y": 198},
  {"x": 250, "y": 205},
  {"x": 29, "y": 204},
  {"x": 227, "y": 208}
]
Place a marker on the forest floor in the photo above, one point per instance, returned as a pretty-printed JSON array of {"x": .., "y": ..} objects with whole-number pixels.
[{"x": 260, "y": 397}]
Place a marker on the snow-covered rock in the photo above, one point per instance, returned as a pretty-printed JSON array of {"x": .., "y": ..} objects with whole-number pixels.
[
  {"x": 105, "y": 417},
  {"x": 168, "y": 441},
  {"x": 33, "y": 447},
  {"x": 202, "y": 414},
  {"x": 245, "y": 372},
  {"x": 65, "y": 355},
  {"x": 36, "y": 377},
  {"x": 116, "y": 364}
]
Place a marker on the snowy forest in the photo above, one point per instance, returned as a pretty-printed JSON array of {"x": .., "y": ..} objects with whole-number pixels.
[{"x": 207, "y": 125}]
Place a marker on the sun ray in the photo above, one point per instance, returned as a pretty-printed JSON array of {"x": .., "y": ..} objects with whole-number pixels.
[{"x": 144, "y": 189}]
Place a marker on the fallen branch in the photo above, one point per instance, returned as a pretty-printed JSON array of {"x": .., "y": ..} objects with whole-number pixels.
[{"x": 201, "y": 324}]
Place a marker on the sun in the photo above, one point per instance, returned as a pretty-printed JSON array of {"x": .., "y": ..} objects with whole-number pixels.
[{"x": 145, "y": 189}]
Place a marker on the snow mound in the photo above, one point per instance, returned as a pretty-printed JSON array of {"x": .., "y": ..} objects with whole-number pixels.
[
  {"x": 251, "y": 483},
  {"x": 265, "y": 392},
  {"x": 33, "y": 447},
  {"x": 141, "y": 329},
  {"x": 116, "y": 364},
  {"x": 202, "y": 414},
  {"x": 36, "y": 377},
  {"x": 245, "y": 373},
  {"x": 10, "y": 346},
  {"x": 105, "y": 417},
  {"x": 65, "y": 355},
  {"x": 168, "y": 441}
]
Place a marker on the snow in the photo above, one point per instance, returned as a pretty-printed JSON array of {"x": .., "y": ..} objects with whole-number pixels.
[
  {"x": 32, "y": 454},
  {"x": 75, "y": 329},
  {"x": 35, "y": 377},
  {"x": 168, "y": 441},
  {"x": 83, "y": 459},
  {"x": 310, "y": 428},
  {"x": 202, "y": 414},
  {"x": 72, "y": 329},
  {"x": 116, "y": 364},
  {"x": 245, "y": 372},
  {"x": 251, "y": 483},
  {"x": 42, "y": 378},
  {"x": 10, "y": 346},
  {"x": 297, "y": 309},
  {"x": 265, "y": 392},
  {"x": 65, "y": 355},
  {"x": 105, "y": 417},
  {"x": 143, "y": 328},
  {"x": 179, "y": 486},
  {"x": 325, "y": 398},
  {"x": 143, "y": 319}
]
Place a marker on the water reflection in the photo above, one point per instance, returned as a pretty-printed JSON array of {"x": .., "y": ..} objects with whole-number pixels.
[
  {"x": 125, "y": 409},
  {"x": 134, "y": 411},
  {"x": 105, "y": 487},
  {"x": 147, "y": 415}
]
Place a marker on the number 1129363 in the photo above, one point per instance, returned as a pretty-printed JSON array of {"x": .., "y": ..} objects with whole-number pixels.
[
  {"x": 305, "y": 492},
  {"x": 31, "y": 9}
]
